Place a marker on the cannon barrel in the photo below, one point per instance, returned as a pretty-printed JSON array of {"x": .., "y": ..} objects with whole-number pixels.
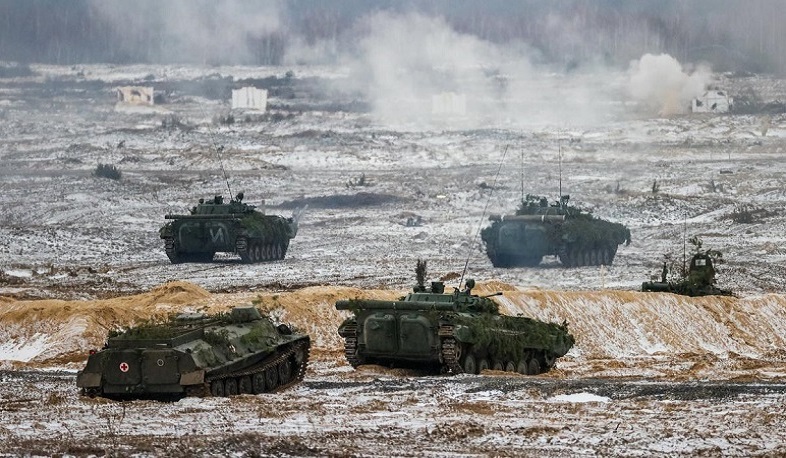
[
  {"x": 655, "y": 286},
  {"x": 216, "y": 216},
  {"x": 533, "y": 218},
  {"x": 372, "y": 304}
]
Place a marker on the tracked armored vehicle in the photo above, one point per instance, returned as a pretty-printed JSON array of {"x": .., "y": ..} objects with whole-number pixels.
[
  {"x": 456, "y": 332},
  {"x": 539, "y": 229},
  {"x": 197, "y": 355},
  {"x": 699, "y": 280},
  {"x": 214, "y": 226}
]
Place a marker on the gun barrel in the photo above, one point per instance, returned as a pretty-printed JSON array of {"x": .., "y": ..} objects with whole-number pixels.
[
  {"x": 533, "y": 218},
  {"x": 655, "y": 286},
  {"x": 218, "y": 216},
  {"x": 372, "y": 304}
]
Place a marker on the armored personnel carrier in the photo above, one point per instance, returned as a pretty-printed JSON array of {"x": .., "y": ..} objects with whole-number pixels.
[
  {"x": 539, "y": 229},
  {"x": 456, "y": 332},
  {"x": 197, "y": 355},
  {"x": 215, "y": 226},
  {"x": 698, "y": 281}
]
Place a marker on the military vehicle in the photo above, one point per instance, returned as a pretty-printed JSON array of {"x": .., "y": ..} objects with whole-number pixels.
[
  {"x": 539, "y": 229},
  {"x": 215, "y": 226},
  {"x": 698, "y": 281},
  {"x": 197, "y": 355},
  {"x": 456, "y": 332}
]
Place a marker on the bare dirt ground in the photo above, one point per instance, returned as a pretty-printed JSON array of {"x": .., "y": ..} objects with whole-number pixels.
[{"x": 650, "y": 374}]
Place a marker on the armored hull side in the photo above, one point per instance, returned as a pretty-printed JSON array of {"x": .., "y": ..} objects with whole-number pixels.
[
  {"x": 538, "y": 230},
  {"x": 449, "y": 333},
  {"x": 242, "y": 352}
]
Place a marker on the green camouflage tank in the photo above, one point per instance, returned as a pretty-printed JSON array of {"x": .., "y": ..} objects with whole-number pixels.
[
  {"x": 456, "y": 332},
  {"x": 539, "y": 229},
  {"x": 197, "y": 355},
  {"x": 214, "y": 226}
]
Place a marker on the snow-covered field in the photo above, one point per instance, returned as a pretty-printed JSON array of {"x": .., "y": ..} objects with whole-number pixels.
[{"x": 632, "y": 386}]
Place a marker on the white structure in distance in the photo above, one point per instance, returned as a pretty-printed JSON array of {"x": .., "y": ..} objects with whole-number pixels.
[
  {"x": 249, "y": 98},
  {"x": 449, "y": 104}
]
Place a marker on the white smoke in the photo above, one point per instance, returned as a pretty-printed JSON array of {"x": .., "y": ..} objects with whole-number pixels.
[
  {"x": 405, "y": 62},
  {"x": 410, "y": 58},
  {"x": 660, "y": 83},
  {"x": 203, "y": 31}
]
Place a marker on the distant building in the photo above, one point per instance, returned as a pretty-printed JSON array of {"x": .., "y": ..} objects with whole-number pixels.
[
  {"x": 449, "y": 103},
  {"x": 137, "y": 95},
  {"x": 713, "y": 101},
  {"x": 249, "y": 98}
]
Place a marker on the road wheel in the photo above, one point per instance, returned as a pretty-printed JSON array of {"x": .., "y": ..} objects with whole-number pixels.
[
  {"x": 244, "y": 385},
  {"x": 483, "y": 364},
  {"x": 565, "y": 258},
  {"x": 497, "y": 366},
  {"x": 230, "y": 387},
  {"x": 271, "y": 378},
  {"x": 258, "y": 382},
  {"x": 533, "y": 367},
  {"x": 263, "y": 253},
  {"x": 521, "y": 366},
  {"x": 279, "y": 251},
  {"x": 245, "y": 255},
  {"x": 470, "y": 366},
  {"x": 259, "y": 253},
  {"x": 217, "y": 388},
  {"x": 284, "y": 371},
  {"x": 510, "y": 367}
]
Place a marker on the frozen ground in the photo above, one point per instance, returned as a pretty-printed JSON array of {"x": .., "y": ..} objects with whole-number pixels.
[
  {"x": 68, "y": 235},
  {"x": 67, "y": 231},
  {"x": 373, "y": 413}
]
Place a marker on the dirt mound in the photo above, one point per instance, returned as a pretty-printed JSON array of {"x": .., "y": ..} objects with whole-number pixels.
[
  {"x": 41, "y": 330},
  {"x": 312, "y": 310},
  {"x": 618, "y": 333}
]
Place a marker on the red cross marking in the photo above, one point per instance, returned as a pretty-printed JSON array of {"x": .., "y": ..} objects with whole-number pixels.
[{"x": 124, "y": 366}]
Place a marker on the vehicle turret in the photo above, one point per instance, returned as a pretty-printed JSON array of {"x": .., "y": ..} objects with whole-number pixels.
[{"x": 699, "y": 280}]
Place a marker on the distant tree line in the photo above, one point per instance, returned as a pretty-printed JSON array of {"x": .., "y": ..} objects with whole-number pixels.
[{"x": 729, "y": 34}]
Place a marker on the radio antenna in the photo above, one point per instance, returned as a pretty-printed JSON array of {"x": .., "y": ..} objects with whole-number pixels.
[
  {"x": 218, "y": 150},
  {"x": 480, "y": 225},
  {"x": 521, "y": 171},
  {"x": 684, "y": 232},
  {"x": 559, "y": 148}
]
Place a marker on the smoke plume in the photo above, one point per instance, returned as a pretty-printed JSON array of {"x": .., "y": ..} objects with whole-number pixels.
[
  {"x": 660, "y": 83},
  {"x": 409, "y": 64}
]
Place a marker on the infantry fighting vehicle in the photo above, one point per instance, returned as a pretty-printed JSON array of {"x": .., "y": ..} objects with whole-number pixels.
[
  {"x": 197, "y": 355},
  {"x": 698, "y": 281},
  {"x": 449, "y": 333},
  {"x": 215, "y": 226},
  {"x": 539, "y": 229}
]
